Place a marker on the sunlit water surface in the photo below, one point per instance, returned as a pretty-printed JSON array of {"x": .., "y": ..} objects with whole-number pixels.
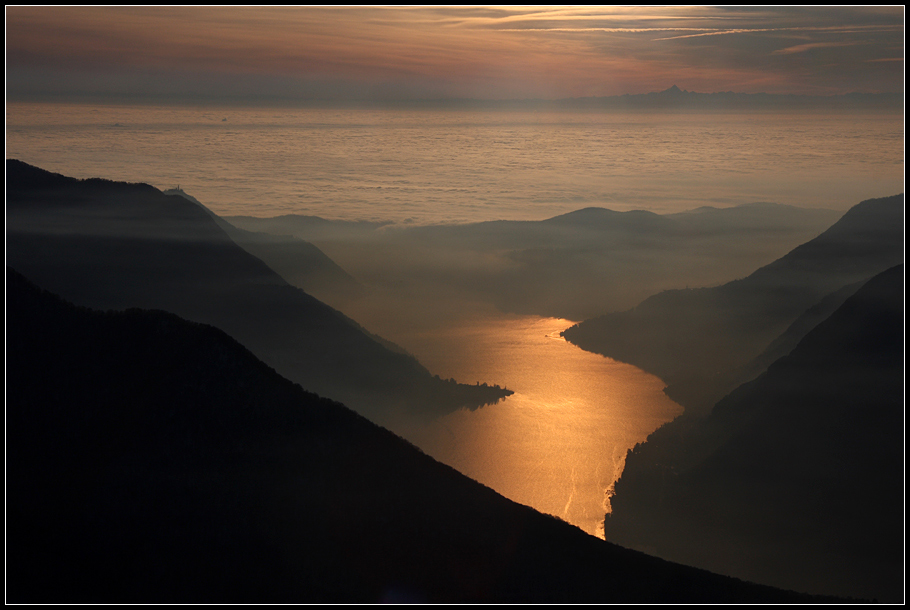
[{"x": 559, "y": 443}]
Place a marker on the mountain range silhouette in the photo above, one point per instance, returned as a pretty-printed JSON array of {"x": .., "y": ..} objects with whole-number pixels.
[
  {"x": 113, "y": 245},
  {"x": 793, "y": 479},
  {"x": 698, "y": 333},
  {"x": 787, "y": 466},
  {"x": 155, "y": 460},
  {"x": 574, "y": 266}
]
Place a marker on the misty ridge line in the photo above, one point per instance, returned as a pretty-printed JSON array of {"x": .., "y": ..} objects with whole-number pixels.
[
  {"x": 672, "y": 98},
  {"x": 630, "y": 218},
  {"x": 713, "y": 329},
  {"x": 575, "y": 265}
]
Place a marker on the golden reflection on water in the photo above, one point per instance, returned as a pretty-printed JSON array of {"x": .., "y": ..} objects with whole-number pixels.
[{"x": 559, "y": 443}]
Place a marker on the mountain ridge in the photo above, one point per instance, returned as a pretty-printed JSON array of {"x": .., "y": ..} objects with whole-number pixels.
[
  {"x": 113, "y": 245},
  {"x": 793, "y": 479},
  {"x": 680, "y": 334},
  {"x": 299, "y": 262},
  {"x": 575, "y": 265}
]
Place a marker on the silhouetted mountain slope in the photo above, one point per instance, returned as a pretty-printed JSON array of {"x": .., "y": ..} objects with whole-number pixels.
[
  {"x": 753, "y": 220},
  {"x": 299, "y": 262},
  {"x": 795, "y": 479},
  {"x": 113, "y": 245},
  {"x": 699, "y": 395},
  {"x": 310, "y": 228},
  {"x": 684, "y": 334},
  {"x": 675, "y": 98},
  {"x": 151, "y": 459},
  {"x": 574, "y": 265}
]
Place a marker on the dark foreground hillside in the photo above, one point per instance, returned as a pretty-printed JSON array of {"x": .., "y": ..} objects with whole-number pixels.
[
  {"x": 797, "y": 478},
  {"x": 151, "y": 459}
]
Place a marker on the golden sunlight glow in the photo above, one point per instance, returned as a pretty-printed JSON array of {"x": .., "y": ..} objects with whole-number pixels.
[{"x": 559, "y": 443}]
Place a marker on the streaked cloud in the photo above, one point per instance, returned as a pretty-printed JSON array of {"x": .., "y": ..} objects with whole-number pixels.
[
  {"x": 839, "y": 30},
  {"x": 433, "y": 52},
  {"x": 802, "y": 48}
]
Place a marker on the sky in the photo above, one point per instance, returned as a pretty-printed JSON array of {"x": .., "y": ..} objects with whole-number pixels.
[{"x": 334, "y": 54}]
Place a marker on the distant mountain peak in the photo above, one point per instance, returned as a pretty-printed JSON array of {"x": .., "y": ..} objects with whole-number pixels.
[{"x": 674, "y": 90}]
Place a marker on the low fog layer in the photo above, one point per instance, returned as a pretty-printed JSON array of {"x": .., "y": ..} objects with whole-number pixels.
[{"x": 572, "y": 266}]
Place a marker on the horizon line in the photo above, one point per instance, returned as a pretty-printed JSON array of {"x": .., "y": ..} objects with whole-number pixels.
[{"x": 265, "y": 100}]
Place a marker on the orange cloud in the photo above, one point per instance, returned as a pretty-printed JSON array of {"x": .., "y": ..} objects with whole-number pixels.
[
  {"x": 802, "y": 48},
  {"x": 448, "y": 51}
]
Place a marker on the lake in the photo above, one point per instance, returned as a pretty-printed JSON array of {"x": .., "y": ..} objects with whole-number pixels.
[{"x": 559, "y": 443}]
